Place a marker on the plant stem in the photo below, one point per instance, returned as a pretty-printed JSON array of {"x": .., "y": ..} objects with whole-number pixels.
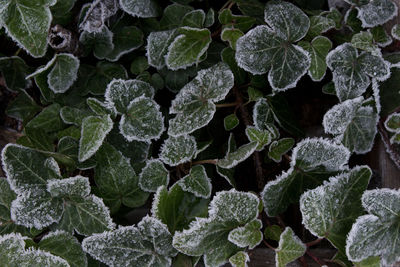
[
  {"x": 314, "y": 242},
  {"x": 224, "y": 105},
  {"x": 17, "y": 52},
  {"x": 315, "y": 258},
  {"x": 206, "y": 161},
  {"x": 268, "y": 245}
]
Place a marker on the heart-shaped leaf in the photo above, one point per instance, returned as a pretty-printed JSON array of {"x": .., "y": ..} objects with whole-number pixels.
[
  {"x": 14, "y": 70},
  {"x": 153, "y": 175},
  {"x": 197, "y": 182},
  {"x": 290, "y": 248},
  {"x": 177, "y": 150}
]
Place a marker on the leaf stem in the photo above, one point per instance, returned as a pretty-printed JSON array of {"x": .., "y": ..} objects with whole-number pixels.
[
  {"x": 206, "y": 161},
  {"x": 17, "y": 52},
  {"x": 268, "y": 245},
  {"x": 315, "y": 258},
  {"x": 225, "y": 105},
  {"x": 314, "y": 242}
]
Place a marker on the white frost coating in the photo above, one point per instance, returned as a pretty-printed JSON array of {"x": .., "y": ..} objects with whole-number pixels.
[
  {"x": 248, "y": 235},
  {"x": 177, "y": 150},
  {"x": 337, "y": 119},
  {"x": 384, "y": 203},
  {"x": 97, "y": 13},
  {"x": 235, "y": 261},
  {"x": 241, "y": 154},
  {"x": 75, "y": 186},
  {"x": 394, "y": 119},
  {"x": 142, "y": 121},
  {"x": 197, "y": 182},
  {"x": 156, "y": 201},
  {"x": 291, "y": 246},
  {"x": 140, "y": 8},
  {"x": 377, "y": 96},
  {"x": 376, "y": 12},
  {"x": 313, "y": 152},
  {"x": 42, "y": 69},
  {"x": 157, "y": 47},
  {"x": 61, "y": 84},
  {"x": 153, "y": 175},
  {"x": 396, "y": 31}
]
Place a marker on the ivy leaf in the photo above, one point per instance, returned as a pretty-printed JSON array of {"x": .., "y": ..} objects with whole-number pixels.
[
  {"x": 116, "y": 180},
  {"x": 140, "y": 8},
  {"x": 270, "y": 49},
  {"x": 240, "y": 259},
  {"x": 318, "y": 49},
  {"x": 27, "y": 23},
  {"x": 187, "y": 48},
  {"x": 177, "y": 208},
  {"x": 142, "y": 121},
  {"x": 120, "y": 93},
  {"x": 209, "y": 236},
  {"x": 177, "y": 150},
  {"x": 375, "y": 12},
  {"x": 279, "y": 148},
  {"x": 230, "y": 122},
  {"x": 23, "y": 107},
  {"x": 290, "y": 248},
  {"x": 147, "y": 244},
  {"x": 94, "y": 130},
  {"x": 234, "y": 158},
  {"x": 392, "y": 123},
  {"x": 320, "y": 24},
  {"x": 13, "y": 253},
  {"x": 64, "y": 245},
  {"x": 262, "y": 114},
  {"x": 377, "y": 233},
  {"x": 194, "y": 104},
  {"x": 243, "y": 23},
  {"x": 157, "y": 47},
  {"x": 48, "y": 119},
  {"x": 273, "y": 232},
  {"x": 330, "y": 210},
  {"x": 14, "y": 70},
  {"x": 197, "y": 182},
  {"x": 22, "y": 173},
  {"x": 194, "y": 19},
  {"x": 396, "y": 31},
  {"x": 352, "y": 72},
  {"x": 210, "y": 18},
  {"x": 313, "y": 161},
  {"x": 173, "y": 15},
  {"x": 70, "y": 115},
  {"x": 93, "y": 16},
  {"x": 353, "y": 123},
  {"x": 153, "y": 175},
  {"x": 125, "y": 40},
  {"x": 248, "y": 235},
  {"x": 231, "y": 35},
  {"x": 381, "y": 37},
  {"x": 364, "y": 41}
]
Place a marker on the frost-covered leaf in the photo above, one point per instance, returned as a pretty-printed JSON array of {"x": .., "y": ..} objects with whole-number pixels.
[
  {"x": 153, "y": 175},
  {"x": 116, "y": 180},
  {"x": 94, "y": 130},
  {"x": 14, "y": 70},
  {"x": 273, "y": 232},
  {"x": 290, "y": 248},
  {"x": 209, "y": 236},
  {"x": 140, "y": 8},
  {"x": 142, "y": 120},
  {"x": 197, "y": 182},
  {"x": 99, "y": 107},
  {"x": 120, "y": 93},
  {"x": 187, "y": 48},
  {"x": 157, "y": 47},
  {"x": 125, "y": 40},
  {"x": 396, "y": 31},
  {"x": 262, "y": 137},
  {"x": 173, "y": 15},
  {"x": 262, "y": 114},
  {"x": 243, "y": 23},
  {"x": 231, "y": 35},
  {"x": 194, "y": 104},
  {"x": 94, "y": 15},
  {"x": 177, "y": 208},
  {"x": 381, "y": 37},
  {"x": 64, "y": 245},
  {"x": 352, "y": 72},
  {"x": 364, "y": 41},
  {"x": 13, "y": 253},
  {"x": 235, "y": 157},
  {"x": 71, "y": 115},
  {"x": 313, "y": 161},
  {"x": 318, "y": 49},
  {"x": 377, "y": 233},
  {"x": 240, "y": 259},
  {"x": 177, "y": 150},
  {"x": 27, "y": 23},
  {"x": 392, "y": 123},
  {"x": 330, "y": 210},
  {"x": 354, "y": 124},
  {"x": 270, "y": 49},
  {"x": 279, "y": 148},
  {"x": 248, "y": 235},
  {"x": 320, "y": 24},
  {"x": 69, "y": 187},
  {"x": 148, "y": 244},
  {"x": 210, "y": 18},
  {"x": 194, "y": 18},
  {"x": 48, "y": 119},
  {"x": 376, "y": 12},
  {"x": 230, "y": 122},
  {"x": 27, "y": 169}
]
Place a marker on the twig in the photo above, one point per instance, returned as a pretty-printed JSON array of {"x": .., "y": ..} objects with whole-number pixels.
[
  {"x": 268, "y": 245},
  {"x": 315, "y": 258},
  {"x": 314, "y": 242},
  {"x": 224, "y": 105},
  {"x": 206, "y": 161},
  {"x": 303, "y": 261}
]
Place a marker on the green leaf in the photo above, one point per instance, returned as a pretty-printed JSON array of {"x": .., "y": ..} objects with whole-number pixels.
[
  {"x": 352, "y": 72},
  {"x": 40, "y": 139},
  {"x": 320, "y": 24},
  {"x": 230, "y": 122},
  {"x": 147, "y": 244},
  {"x": 270, "y": 49},
  {"x": 14, "y": 70},
  {"x": 13, "y": 253},
  {"x": 262, "y": 137},
  {"x": 243, "y": 23},
  {"x": 231, "y": 36},
  {"x": 177, "y": 208},
  {"x": 210, "y": 18},
  {"x": 209, "y": 236},
  {"x": 48, "y": 119},
  {"x": 177, "y": 150},
  {"x": 290, "y": 248},
  {"x": 187, "y": 48},
  {"x": 369, "y": 262},
  {"x": 24, "y": 173},
  {"x": 377, "y": 233},
  {"x": 173, "y": 15},
  {"x": 125, "y": 40},
  {"x": 273, "y": 232},
  {"x": 228, "y": 56},
  {"x": 93, "y": 16},
  {"x": 157, "y": 47},
  {"x": 194, "y": 104},
  {"x": 396, "y": 31},
  {"x": 138, "y": 65},
  {"x": 364, "y": 41},
  {"x": 240, "y": 259},
  {"x": 116, "y": 180},
  {"x": 197, "y": 182},
  {"x": 94, "y": 130},
  {"x": 279, "y": 148},
  {"x": 330, "y": 210},
  {"x": 77, "y": 186},
  {"x": 392, "y": 123},
  {"x": 262, "y": 114},
  {"x": 376, "y": 12},
  {"x": 354, "y": 124},
  {"x": 142, "y": 121},
  {"x": 23, "y": 107},
  {"x": 153, "y": 175},
  {"x": 234, "y": 158},
  {"x": 318, "y": 49},
  {"x": 140, "y": 8},
  {"x": 64, "y": 245},
  {"x": 248, "y": 235},
  {"x": 75, "y": 116},
  {"x": 99, "y": 107},
  {"x": 27, "y": 23},
  {"x": 381, "y": 37},
  {"x": 194, "y": 19}
]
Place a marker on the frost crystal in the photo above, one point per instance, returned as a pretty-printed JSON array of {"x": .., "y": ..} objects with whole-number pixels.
[
  {"x": 140, "y": 8},
  {"x": 376, "y": 12},
  {"x": 240, "y": 259},
  {"x": 148, "y": 244},
  {"x": 234, "y": 158},
  {"x": 177, "y": 150},
  {"x": 97, "y": 13},
  {"x": 248, "y": 235},
  {"x": 153, "y": 175},
  {"x": 157, "y": 47},
  {"x": 74, "y": 186},
  {"x": 290, "y": 248},
  {"x": 197, "y": 182}
]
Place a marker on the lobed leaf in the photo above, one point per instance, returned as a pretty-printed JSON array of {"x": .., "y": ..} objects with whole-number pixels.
[
  {"x": 290, "y": 248},
  {"x": 197, "y": 182},
  {"x": 177, "y": 150},
  {"x": 153, "y": 175}
]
